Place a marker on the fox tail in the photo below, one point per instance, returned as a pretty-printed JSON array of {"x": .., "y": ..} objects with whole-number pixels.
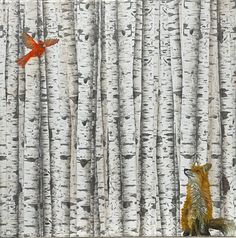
[
  {"x": 227, "y": 227},
  {"x": 23, "y": 60}
]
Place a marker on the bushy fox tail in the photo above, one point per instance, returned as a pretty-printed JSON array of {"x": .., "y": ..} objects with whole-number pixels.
[{"x": 227, "y": 227}]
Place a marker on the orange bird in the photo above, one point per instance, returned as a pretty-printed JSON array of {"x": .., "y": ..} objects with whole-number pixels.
[{"x": 37, "y": 48}]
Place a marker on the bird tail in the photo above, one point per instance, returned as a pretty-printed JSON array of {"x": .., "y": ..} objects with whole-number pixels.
[
  {"x": 227, "y": 227},
  {"x": 23, "y": 60}
]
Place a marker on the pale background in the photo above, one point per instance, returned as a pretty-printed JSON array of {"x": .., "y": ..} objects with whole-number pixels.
[{"x": 95, "y": 135}]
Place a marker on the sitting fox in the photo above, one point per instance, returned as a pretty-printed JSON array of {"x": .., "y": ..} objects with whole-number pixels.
[{"x": 197, "y": 210}]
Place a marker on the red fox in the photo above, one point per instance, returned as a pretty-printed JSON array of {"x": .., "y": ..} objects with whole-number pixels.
[{"x": 196, "y": 218}]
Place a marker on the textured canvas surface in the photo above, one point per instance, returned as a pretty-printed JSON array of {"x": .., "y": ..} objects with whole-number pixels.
[{"x": 95, "y": 134}]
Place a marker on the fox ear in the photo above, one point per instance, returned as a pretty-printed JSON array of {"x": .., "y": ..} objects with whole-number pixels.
[{"x": 207, "y": 167}]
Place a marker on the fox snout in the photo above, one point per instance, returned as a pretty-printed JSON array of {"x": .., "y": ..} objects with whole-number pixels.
[{"x": 187, "y": 172}]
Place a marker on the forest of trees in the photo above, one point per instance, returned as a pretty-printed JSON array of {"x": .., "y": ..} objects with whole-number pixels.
[{"x": 96, "y": 133}]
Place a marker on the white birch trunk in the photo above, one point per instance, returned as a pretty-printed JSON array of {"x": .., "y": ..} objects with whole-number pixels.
[
  {"x": 100, "y": 166},
  {"x": 31, "y": 133},
  {"x": 85, "y": 51},
  {"x": 203, "y": 78},
  {"x": 156, "y": 75},
  {"x": 214, "y": 131},
  {"x": 165, "y": 158},
  {"x": 126, "y": 36},
  {"x": 68, "y": 91},
  {"x": 100, "y": 163},
  {"x": 227, "y": 90},
  {"x": 94, "y": 216},
  {"x": 189, "y": 52},
  {"x": 11, "y": 120},
  {"x": 137, "y": 88},
  {"x": 114, "y": 212},
  {"x": 69, "y": 74},
  {"x": 176, "y": 75},
  {"x": 45, "y": 144},
  {"x": 58, "y": 128},
  {"x": 148, "y": 139},
  {"x": 21, "y": 106},
  {"x": 78, "y": 149},
  {"x": 3, "y": 121},
  {"x": 103, "y": 165},
  {"x": 233, "y": 72}
]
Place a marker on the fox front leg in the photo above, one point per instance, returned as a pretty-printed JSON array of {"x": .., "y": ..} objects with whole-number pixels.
[
  {"x": 204, "y": 230},
  {"x": 186, "y": 233}
]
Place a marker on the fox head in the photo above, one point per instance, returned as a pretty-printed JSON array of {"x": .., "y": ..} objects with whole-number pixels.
[{"x": 198, "y": 173}]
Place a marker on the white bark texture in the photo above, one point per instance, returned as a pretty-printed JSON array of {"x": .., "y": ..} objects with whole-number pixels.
[{"x": 96, "y": 133}]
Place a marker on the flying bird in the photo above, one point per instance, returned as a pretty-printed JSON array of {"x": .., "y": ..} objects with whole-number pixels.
[{"x": 37, "y": 49}]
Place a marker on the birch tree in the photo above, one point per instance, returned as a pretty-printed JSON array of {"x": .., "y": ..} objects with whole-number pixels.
[
  {"x": 57, "y": 131},
  {"x": 114, "y": 212},
  {"x": 227, "y": 109},
  {"x": 31, "y": 135},
  {"x": 126, "y": 35},
  {"x": 176, "y": 76},
  {"x": 214, "y": 130},
  {"x": 85, "y": 51},
  {"x": 103, "y": 165},
  {"x": 137, "y": 88},
  {"x": 202, "y": 90},
  {"x": 95, "y": 134},
  {"x": 45, "y": 144},
  {"x": 100, "y": 149},
  {"x": 156, "y": 76},
  {"x": 189, "y": 54},
  {"x": 165, "y": 159},
  {"x": 148, "y": 177},
  {"x": 70, "y": 92},
  {"x": 11, "y": 132},
  {"x": 21, "y": 108},
  {"x": 3, "y": 121},
  {"x": 233, "y": 72}
]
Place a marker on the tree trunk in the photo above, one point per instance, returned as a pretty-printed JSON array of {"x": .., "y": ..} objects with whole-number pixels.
[{"x": 96, "y": 133}]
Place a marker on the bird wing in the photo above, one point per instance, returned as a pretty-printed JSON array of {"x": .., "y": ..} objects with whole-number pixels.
[
  {"x": 28, "y": 41},
  {"x": 50, "y": 42}
]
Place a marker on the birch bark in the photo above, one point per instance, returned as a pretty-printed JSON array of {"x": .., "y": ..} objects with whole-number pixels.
[
  {"x": 3, "y": 120},
  {"x": 11, "y": 94},
  {"x": 21, "y": 108},
  {"x": 31, "y": 133},
  {"x": 103, "y": 165},
  {"x": 156, "y": 75},
  {"x": 58, "y": 127},
  {"x": 148, "y": 141},
  {"x": 85, "y": 50},
  {"x": 189, "y": 53},
  {"x": 126, "y": 35},
  {"x": 114, "y": 213},
  {"x": 79, "y": 154},
  {"x": 165, "y": 159},
  {"x": 68, "y": 91},
  {"x": 69, "y": 79},
  {"x": 100, "y": 162},
  {"x": 203, "y": 78},
  {"x": 227, "y": 108},
  {"x": 45, "y": 145},
  {"x": 233, "y": 72},
  {"x": 176, "y": 75},
  {"x": 214, "y": 132},
  {"x": 137, "y": 89}
]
